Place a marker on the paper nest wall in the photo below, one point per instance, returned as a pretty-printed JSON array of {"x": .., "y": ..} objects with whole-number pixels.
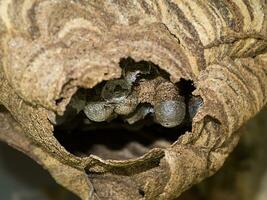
[{"x": 50, "y": 49}]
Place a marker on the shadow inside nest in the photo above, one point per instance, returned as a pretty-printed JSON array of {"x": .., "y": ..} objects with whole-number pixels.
[{"x": 117, "y": 140}]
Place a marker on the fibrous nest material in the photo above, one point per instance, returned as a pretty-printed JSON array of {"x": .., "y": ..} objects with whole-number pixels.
[{"x": 50, "y": 50}]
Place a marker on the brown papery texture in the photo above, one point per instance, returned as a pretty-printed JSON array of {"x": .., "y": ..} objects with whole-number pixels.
[{"x": 50, "y": 48}]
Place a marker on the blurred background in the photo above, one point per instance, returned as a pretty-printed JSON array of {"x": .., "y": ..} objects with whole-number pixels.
[
  {"x": 243, "y": 177},
  {"x": 23, "y": 179}
]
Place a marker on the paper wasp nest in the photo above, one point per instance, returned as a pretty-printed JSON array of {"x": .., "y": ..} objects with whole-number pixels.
[{"x": 130, "y": 99}]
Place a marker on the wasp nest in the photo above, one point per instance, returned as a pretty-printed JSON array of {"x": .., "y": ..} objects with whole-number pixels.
[{"x": 130, "y": 99}]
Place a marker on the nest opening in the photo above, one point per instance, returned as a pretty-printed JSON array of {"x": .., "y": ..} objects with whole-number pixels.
[{"x": 123, "y": 136}]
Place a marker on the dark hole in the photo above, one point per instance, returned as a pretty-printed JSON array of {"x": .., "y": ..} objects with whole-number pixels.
[
  {"x": 3, "y": 109},
  {"x": 141, "y": 192},
  {"x": 58, "y": 101},
  {"x": 118, "y": 88},
  {"x": 117, "y": 139},
  {"x": 186, "y": 87}
]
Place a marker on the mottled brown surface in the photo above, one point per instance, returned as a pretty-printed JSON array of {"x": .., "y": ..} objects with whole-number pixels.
[
  {"x": 156, "y": 90},
  {"x": 49, "y": 49}
]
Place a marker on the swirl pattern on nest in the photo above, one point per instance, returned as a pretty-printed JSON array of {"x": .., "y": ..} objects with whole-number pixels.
[{"x": 51, "y": 48}]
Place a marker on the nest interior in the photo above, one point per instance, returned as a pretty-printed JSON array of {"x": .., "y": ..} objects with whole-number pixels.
[{"x": 116, "y": 139}]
